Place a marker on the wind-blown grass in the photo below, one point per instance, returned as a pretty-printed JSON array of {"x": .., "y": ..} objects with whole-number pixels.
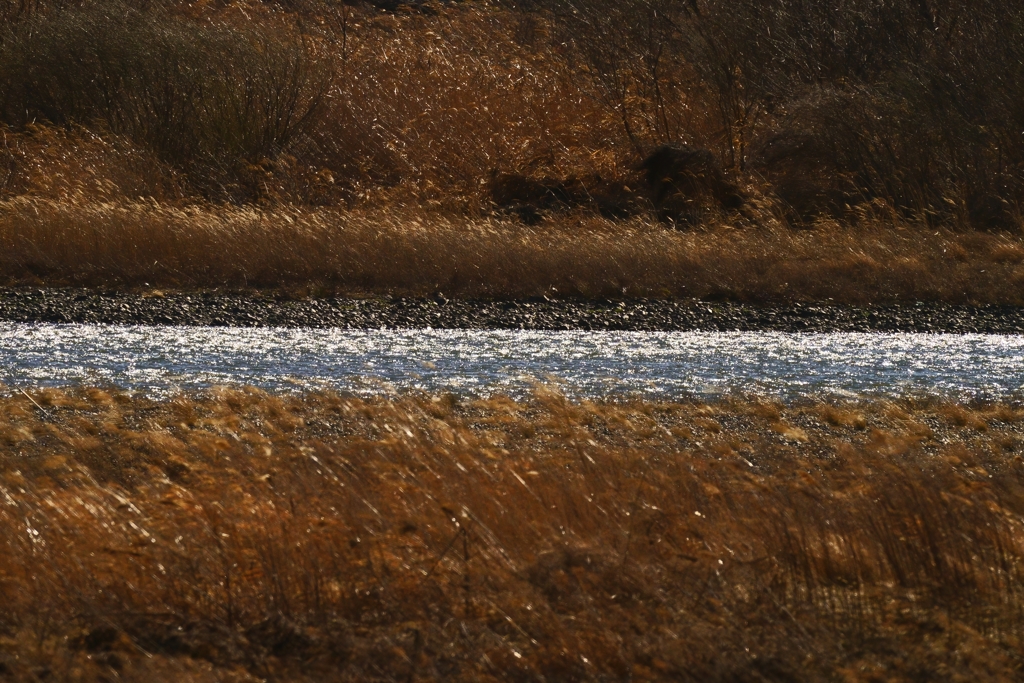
[
  {"x": 238, "y": 535},
  {"x": 337, "y": 146},
  {"x": 374, "y": 252}
]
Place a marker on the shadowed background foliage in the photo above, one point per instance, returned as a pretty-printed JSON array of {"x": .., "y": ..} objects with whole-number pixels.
[{"x": 820, "y": 108}]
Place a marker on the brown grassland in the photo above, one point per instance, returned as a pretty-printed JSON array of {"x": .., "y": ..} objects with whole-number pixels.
[
  {"x": 236, "y": 535},
  {"x": 362, "y": 149},
  {"x": 373, "y": 252}
]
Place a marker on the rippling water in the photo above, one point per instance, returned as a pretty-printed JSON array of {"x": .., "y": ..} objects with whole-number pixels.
[{"x": 664, "y": 364}]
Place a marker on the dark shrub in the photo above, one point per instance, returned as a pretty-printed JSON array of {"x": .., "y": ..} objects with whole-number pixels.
[
  {"x": 805, "y": 179},
  {"x": 529, "y": 199},
  {"x": 914, "y": 103},
  {"x": 685, "y": 182},
  {"x": 207, "y": 98}
]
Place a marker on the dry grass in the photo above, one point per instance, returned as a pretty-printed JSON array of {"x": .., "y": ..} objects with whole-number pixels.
[
  {"x": 389, "y": 185},
  {"x": 480, "y": 91},
  {"x": 343, "y": 104},
  {"x": 421, "y": 109},
  {"x": 238, "y": 536},
  {"x": 418, "y": 252}
]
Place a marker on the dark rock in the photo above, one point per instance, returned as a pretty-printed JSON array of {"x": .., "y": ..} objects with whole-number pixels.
[{"x": 210, "y": 308}]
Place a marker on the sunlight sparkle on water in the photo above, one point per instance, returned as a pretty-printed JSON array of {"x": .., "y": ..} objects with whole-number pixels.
[{"x": 159, "y": 360}]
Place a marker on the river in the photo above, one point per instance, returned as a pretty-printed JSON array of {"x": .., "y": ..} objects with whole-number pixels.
[{"x": 165, "y": 360}]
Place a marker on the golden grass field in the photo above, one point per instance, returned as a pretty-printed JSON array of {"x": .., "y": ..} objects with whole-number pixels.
[
  {"x": 413, "y": 252},
  {"x": 236, "y": 535}
]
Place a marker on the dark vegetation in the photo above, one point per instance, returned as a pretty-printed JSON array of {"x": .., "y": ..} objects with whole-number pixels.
[
  {"x": 685, "y": 180},
  {"x": 815, "y": 108},
  {"x": 237, "y": 536},
  {"x": 914, "y": 103},
  {"x": 400, "y": 147}
]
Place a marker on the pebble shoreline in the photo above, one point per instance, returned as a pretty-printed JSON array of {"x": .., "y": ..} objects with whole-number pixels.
[{"x": 258, "y": 309}]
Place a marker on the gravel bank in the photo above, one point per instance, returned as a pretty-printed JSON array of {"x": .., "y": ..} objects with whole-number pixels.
[{"x": 66, "y": 305}]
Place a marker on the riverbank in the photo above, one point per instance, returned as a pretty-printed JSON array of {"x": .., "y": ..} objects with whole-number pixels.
[
  {"x": 408, "y": 252},
  {"x": 236, "y": 535},
  {"x": 254, "y": 308}
]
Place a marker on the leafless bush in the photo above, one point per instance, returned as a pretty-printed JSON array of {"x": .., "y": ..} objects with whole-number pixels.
[
  {"x": 906, "y": 102},
  {"x": 827, "y": 109},
  {"x": 208, "y": 99}
]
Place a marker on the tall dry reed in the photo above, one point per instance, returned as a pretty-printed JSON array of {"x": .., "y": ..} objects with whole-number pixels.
[
  {"x": 379, "y": 252},
  {"x": 238, "y": 534},
  {"x": 820, "y": 109}
]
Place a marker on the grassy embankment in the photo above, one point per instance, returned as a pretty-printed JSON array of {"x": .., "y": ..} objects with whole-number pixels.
[
  {"x": 243, "y": 536},
  {"x": 410, "y": 253},
  {"x": 362, "y": 151}
]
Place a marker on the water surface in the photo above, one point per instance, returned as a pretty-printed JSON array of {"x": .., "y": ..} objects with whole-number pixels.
[{"x": 160, "y": 360}]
